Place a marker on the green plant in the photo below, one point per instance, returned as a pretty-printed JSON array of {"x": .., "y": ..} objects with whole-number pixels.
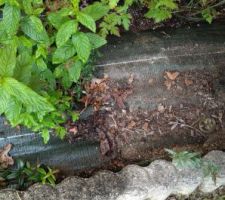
[
  {"x": 160, "y": 10},
  {"x": 24, "y": 175},
  {"x": 185, "y": 159}
]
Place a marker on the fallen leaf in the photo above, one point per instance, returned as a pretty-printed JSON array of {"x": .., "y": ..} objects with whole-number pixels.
[
  {"x": 172, "y": 75},
  {"x": 168, "y": 84},
  {"x": 73, "y": 130},
  {"x": 188, "y": 82},
  {"x": 130, "y": 79},
  {"x": 145, "y": 126},
  {"x": 151, "y": 81},
  {"x": 161, "y": 108},
  {"x": 131, "y": 124},
  {"x": 5, "y": 159}
]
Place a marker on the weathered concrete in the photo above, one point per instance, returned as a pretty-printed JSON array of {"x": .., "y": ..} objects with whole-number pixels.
[{"x": 157, "y": 181}]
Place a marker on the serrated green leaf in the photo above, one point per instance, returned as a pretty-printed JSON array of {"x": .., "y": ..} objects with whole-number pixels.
[
  {"x": 7, "y": 60},
  {"x": 31, "y": 30},
  {"x": 158, "y": 15},
  {"x": 4, "y": 99},
  {"x": 82, "y": 45},
  {"x": 60, "y": 17},
  {"x": 27, "y": 6},
  {"x": 32, "y": 101},
  {"x": 74, "y": 71},
  {"x": 96, "y": 40},
  {"x": 11, "y": 19},
  {"x": 42, "y": 66},
  {"x": 46, "y": 136},
  {"x": 22, "y": 71},
  {"x": 65, "y": 32},
  {"x": 13, "y": 111},
  {"x": 97, "y": 10},
  {"x": 37, "y": 23},
  {"x": 63, "y": 53},
  {"x": 167, "y": 4},
  {"x": 87, "y": 21}
]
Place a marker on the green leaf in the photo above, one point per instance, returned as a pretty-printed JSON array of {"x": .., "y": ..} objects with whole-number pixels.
[
  {"x": 60, "y": 17},
  {"x": 46, "y": 136},
  {"x": 209, "y": 14},
  {"x": 74, "y": 71},
  {"x": 113, "y": 3},
  {"x": 158, "y": 15},
  {"x": 97, "y": 10},
  {"x": 33, "y": 101},
  {"x": 82, "y": 45},
  {"x": 23, "y": 68},
  {"x": 65, "y": 32},
  {"x": 27, "y": 6},
  {"x": 96, "y": 40},
  {"x": 31, "y": 29},
  {"x": 87, "y": 21},
  {"x": 4, "y": 99},
  {"x": 7, "y": 60},
  {"x": 11, "y": 19},
  {"x": 63, "y": 53},
  {"x": 37, "y": 23},
  {"x": 13, "y": 111},
  {"x": 166, "y": 3}
]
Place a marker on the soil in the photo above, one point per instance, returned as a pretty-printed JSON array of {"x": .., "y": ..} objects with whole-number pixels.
[{"x": 140, "y": 136}]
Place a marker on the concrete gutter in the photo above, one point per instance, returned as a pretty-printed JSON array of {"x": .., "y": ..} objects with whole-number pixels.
[{"x": 157, "y": 181}]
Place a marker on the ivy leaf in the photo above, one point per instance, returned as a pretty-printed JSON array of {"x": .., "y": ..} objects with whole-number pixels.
[
  {"x": 209, "y": 14},
  {"x": 31, "y": 29},
  {"x": 65, "y": 32},
  {"x": 82, "y": 45},
  {"x": 11, "y": 19},
  {"x": 97, "y": 10},
  {"x": 63, "y": 53},
  {"x": 7, "y": 60},
  {"x": 87, "y": 21},
  {"x": 96, "y": 40},
  {"x": 74, "y": 71}
]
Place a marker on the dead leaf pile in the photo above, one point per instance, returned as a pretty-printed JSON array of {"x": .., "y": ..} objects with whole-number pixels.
[
  {"x": 170, "y": 78},
  {"x": 96, "y": 93}
]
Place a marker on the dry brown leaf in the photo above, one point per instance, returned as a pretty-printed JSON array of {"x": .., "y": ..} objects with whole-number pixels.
[
  {"x": 188, "y": 82},
  {"x": 73, "y": 130},
  {"x": 5, "y": 159},
  {"x": 145, "y": 126},
  {"x": 172, "y": 75},
  {"x": 168, "y": 84},
  {"x": 131, "y": 124},
  {"x": 161, "y": 108}
]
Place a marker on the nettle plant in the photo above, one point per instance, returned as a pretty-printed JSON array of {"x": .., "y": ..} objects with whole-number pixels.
[{"x": 44, "y": 46}]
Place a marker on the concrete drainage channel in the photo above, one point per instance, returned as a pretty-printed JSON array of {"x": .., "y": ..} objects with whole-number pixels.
[
  {"x": 147, "y": 55},
  {"x": 157, "y": 181}
]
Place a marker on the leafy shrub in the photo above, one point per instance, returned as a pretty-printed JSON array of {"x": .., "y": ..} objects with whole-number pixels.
[{"x": 45, "y": 47}]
